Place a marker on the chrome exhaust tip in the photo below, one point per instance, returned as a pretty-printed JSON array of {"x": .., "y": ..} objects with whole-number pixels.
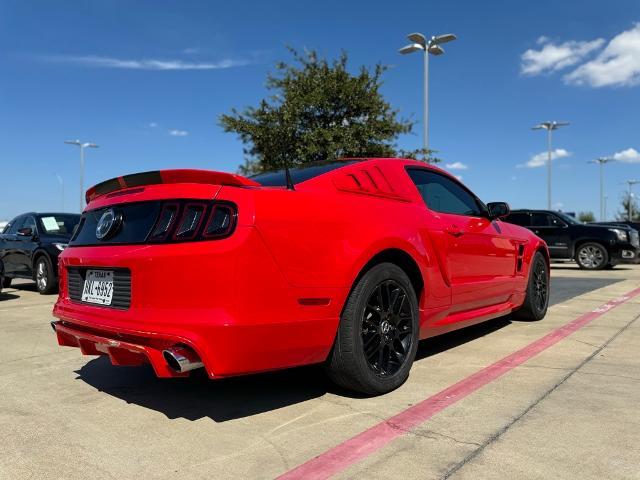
[{"x": 181, "y": 359}]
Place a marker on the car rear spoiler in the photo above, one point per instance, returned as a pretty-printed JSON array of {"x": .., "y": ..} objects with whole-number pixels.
[{"x": 168, "y": 176}]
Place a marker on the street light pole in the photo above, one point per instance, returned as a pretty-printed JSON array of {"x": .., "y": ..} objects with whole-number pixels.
[
  {"x": 425, "y": 106},
  {"x": 631, "y": 183},
  {"x": 82, "y": 147},
  {"x": 602, "y": 162},
  {"x": 431, "y": 46},
  {"x": 549, "y": 126}
]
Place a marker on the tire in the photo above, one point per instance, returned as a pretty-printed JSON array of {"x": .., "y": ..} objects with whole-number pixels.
[
  {"x": 6, "y": 282},
  {"x": 46, "y": 281},
  {"x": 381, "y": 319},
  {"x": 536, "y": 301},
  {"x": 592, "y": 256}
]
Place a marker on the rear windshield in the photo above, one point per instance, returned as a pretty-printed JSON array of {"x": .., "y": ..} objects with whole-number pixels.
[
  {"x": 277, "y": 178},
  {"x": 58, "y": 224}
]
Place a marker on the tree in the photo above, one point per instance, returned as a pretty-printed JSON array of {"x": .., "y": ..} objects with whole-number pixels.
[
  {"x": 629, "y": 200},
  {"x": 422, "y": 154},
  {"x": 319, "y": 111},
  {"x": 586, "y": 217}
]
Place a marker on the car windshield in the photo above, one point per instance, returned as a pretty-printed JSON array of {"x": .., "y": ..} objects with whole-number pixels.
[
  {"x": 58, "y": 224},
  {"x": 568, "y": 218},
  {"x": 277, "y": 178}
]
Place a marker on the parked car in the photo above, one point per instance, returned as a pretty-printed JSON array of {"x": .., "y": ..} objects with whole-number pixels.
[
  {"x": 634, "y": 232},
  {"x": 30, "y": 245},
  {"x": 593, "y": 247},
  {"x": 349, "y": 263},
  {"x": 1, "y": 276}
]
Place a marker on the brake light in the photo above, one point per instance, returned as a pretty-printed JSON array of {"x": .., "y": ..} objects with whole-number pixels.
[
  {"x": 221, "y": 221},
  {"x": 190, "y": 221},
  {"x": 165, "y": 221},
  {"x": 185, "y": 221}
]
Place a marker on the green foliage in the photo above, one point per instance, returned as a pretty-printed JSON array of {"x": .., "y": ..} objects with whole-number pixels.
[
  {"x": 623, "y": 214},
  {"x": 319, "y": 111},
  {"x": 421, "y": 154},
  {"x": 586, "y": 217}
]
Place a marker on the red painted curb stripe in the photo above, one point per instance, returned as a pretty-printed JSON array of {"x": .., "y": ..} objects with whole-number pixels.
[{"x": 364, "y": 444}]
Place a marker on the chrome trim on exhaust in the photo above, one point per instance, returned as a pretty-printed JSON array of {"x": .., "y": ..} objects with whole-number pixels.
[{"x": 182, "y": 359}]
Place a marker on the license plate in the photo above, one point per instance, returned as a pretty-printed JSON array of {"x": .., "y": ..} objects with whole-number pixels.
[{"x": 98, "y": 287}]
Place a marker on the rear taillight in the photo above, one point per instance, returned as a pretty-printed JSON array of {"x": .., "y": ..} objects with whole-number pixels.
[{"x": 192, "y": 220}]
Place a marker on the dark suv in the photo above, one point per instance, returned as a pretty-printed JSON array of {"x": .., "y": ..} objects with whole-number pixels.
[
  {"x": 30, "y": 245},
  {"x": 593, "y": 247}
]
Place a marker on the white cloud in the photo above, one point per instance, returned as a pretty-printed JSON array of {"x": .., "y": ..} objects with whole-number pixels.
[
  {"x": 630, "y": 155},
  {"x": 459, "y": 177},
  {"x": 456, "y": 166},
  {"x": 552, "y": 57},
  {"x": 191, "y": 51},
  {"x": 153, "y": 125},
  {"x": 617, "y": 65},
  {"x": 178, "y": 133},
  {"x": 540, "y": 159},
  {"x": 145, "y": 64}
]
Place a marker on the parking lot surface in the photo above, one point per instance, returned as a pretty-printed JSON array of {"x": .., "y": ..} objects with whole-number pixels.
[{"x": 514, "y": 406}]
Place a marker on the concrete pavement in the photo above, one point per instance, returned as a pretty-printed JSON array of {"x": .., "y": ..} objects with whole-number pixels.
[{"x": 569, "y": 412}]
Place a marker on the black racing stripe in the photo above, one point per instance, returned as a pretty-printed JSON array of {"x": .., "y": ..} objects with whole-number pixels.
[
  {"x": 144, "y": 178},
  {"x": 107, "y": 186}
]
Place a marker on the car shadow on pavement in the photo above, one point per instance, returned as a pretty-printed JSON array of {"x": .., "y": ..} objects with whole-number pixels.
[
  {"x": 198, "y": 397},
  {"x": 8, "y": 296},
  {"x": 221, "y": 400}
]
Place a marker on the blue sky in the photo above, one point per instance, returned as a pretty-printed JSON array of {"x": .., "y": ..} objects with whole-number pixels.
[{"x": 146, "y": 80}]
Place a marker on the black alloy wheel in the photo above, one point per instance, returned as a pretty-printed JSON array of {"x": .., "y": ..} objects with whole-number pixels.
[
  {"x": 377, "y": 337},
  {"x": 536, "y": 301},
  {"x": 387, "y": 328},
  {"x": 541, "y": 286}
]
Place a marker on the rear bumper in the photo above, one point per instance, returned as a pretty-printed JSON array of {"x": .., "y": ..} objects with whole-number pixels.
[
  {"x": 227, "y": 300},
  {"x": 122, "y": 349}
]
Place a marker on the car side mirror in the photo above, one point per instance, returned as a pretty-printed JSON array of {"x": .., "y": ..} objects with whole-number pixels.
[
  {"x": 25, "y": 232},
  {"x": 498, "y": 210}
]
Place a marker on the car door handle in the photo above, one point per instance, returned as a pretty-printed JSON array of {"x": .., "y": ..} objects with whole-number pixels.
[{"x": 454, "y": 230}]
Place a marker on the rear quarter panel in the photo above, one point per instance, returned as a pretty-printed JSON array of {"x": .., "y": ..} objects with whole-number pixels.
[{"x": 328, "y": 235}]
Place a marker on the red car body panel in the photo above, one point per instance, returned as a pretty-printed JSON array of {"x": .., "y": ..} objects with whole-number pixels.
[{"x": 270, "y": 295}]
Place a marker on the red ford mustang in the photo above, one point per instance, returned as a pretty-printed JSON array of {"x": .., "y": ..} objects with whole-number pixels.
[{"x": 349, "y": 263}]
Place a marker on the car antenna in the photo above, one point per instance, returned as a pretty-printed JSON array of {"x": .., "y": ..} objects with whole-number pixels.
[{"x": 287, "y": 175}]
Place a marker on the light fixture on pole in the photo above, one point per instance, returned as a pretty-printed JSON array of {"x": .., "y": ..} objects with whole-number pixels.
[
  {"x": 630, "y": 183},
  {"x": 431, "y": 46},
  {"x": 61, "y": 181},
  {"x": 549, "y": 127},
  {"x": 602, "y": 162},
  {"x": 82, "y": 147}
]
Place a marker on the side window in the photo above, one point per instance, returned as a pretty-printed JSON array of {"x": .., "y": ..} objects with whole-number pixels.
[
  {"x": 30, "y": 222},
  {"x": 545, "y": 220},
  {"x": 521, "y": 219},
  {"x": 444, "y": 195},
  {"x": 13, "y": 227}
]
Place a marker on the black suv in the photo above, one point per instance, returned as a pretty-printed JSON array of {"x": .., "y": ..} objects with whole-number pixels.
[
  {"x": 593, "y": 247},
  {"x": 30, "y": 245}
]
